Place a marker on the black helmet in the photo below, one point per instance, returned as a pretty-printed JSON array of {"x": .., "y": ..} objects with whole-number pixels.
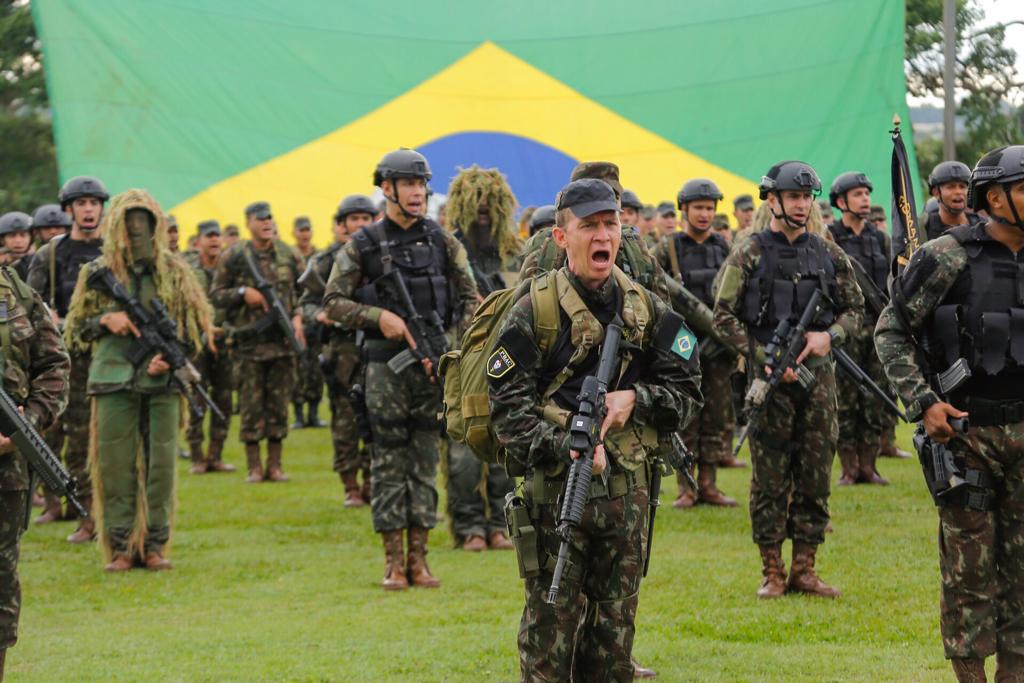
[
  {"x": 630, "y": 199},
  {"x": 354, "y": 203},
  {"x": 82, "y": 186},
  {"x": 845, "y": 182},
  {"x": 402, "y": 163},
  {"x": 1004, "y": 165},
  {"x": 789, "y": 175},
  {"x": 698, "y": 188},
  {"x": 14, "y": 221},
  {"x": 50, "y": 215},
  {"x": 948, "y": 172},
  {"x": 542, "y": 217}
]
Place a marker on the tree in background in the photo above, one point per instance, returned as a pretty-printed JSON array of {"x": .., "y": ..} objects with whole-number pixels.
[
  {"x": 28, "y": 170},
  {"x": 990, "y": 90}
]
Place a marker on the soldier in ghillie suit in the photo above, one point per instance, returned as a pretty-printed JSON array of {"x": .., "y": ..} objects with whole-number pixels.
[
  {"x": 481, "y": 213},
  {"x": 136, "y": 411},
  {"x": 957, "y": 306},
  {"x": 587, "y": 634},
  {"x": 35, "y": 370}
]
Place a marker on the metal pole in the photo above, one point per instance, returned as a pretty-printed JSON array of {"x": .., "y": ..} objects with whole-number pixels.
[{"x": 949, "y": 80}]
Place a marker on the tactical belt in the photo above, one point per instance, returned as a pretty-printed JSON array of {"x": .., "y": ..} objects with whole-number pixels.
[
  {"x": 546, "y": 491},
  {"x": 380, "y": 350},
  {"x": 987, "y": 413},
  {"x": 413, "y": 424}
]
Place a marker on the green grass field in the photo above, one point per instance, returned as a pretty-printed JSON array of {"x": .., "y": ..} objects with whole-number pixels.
[{"x": 279, "y": 582}]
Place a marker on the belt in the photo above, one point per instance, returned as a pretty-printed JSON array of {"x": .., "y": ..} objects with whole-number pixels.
[
  {"x": 620, "y": 482},
  {"x": 381, "y": 351},
  {"x": 988, "y": 413}
]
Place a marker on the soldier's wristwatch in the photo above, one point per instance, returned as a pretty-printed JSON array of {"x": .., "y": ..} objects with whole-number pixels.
[{"x": 241, "y": 291}]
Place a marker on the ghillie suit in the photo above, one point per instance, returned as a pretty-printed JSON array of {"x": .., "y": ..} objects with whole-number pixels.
[{"x": 490, "y": 250}]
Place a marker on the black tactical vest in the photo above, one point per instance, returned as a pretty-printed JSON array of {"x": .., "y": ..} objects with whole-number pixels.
[
  {"x": 699, "y": 262},
  {"x": 868, "y": 248},
  {"x": 69, "y": 257},
  {"x": 935, "y": 228},
  {"x": 981, "y": 319},
  {"x": 421, "y": 260},
  {"x": 784, "y": 281}
]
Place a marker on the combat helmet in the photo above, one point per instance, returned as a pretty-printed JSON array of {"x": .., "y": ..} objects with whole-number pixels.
[
  {"x": 949, "y": 172},
  {"x": 401, "y": 163},
  {"x": 698, "y": 188},
  {"x": 50, "y": 215},
  {"x": 354, "y": 203},
  {"x": 82, "y": 186},
  {"x": 1005, "y": 166},
  {"x": 845, "y": 182},
  {"x": 789, "y": 175},
  {"x": 14, "y": 221}
]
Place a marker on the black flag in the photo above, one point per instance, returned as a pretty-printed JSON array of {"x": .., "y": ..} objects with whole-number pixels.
[{"x": 906, "y": 236}]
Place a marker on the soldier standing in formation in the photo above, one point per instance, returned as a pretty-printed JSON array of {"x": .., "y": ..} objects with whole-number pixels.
[
  {"x": 264, "y": 355},
  {"x": 135, "y": 413},
  {"x": 481, "y": 208},
  {"x": 588, "y": 633},
  {"x": 48, "y": 221},
  {"x": 861, "y": 418},
  {"x": 767, "y": 279},
  {"x": 947, "y": 184},
  {"x": 54, "y": 273},
  {"x": 16, "y": 241},
  {"x": 743, "y": 211},
  {"x": 402, "y": 408},
  {"x": 213, "y": 363},
  {"x": 694, "y": 257},
  {"x": 961, "y": 293},
  {"x": 309, "y": 382},
  {"x": 340, "y": 356}
]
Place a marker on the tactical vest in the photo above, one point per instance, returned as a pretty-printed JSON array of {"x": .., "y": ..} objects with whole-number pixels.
[
  {"x": 935, "y": 228},
  {"x": 981, "y": 319},
  {"x": 868, "y": 248},
  {"x": 696, "y": 264},
  {"x": 419, "y": 256},
  {"x": 65, "y": 261},
  {"x": 783, "y": 282},
  {"x": 634, "y": 260}
]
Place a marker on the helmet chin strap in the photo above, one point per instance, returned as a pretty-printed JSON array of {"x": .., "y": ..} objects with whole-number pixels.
[
  {"x": 947, "y": 207},
  {"x": 784, "y": 216},
  {"x": 1017, "y": 222}
]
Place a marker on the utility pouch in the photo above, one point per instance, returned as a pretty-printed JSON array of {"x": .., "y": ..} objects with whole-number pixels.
[
  {"x": 804, "y": 376},
  {"x": 953, "y": 377},
  {"x": 523, "y": 535}
]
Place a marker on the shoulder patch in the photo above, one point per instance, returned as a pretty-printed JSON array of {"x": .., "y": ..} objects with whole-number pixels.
[
  {"x": 684, "y": 343},
  {"x": 673, "y": 335},
  {"x": 500, "y": 363}
]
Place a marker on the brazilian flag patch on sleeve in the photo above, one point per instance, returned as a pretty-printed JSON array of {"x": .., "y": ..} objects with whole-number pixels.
[
  {"x": 685, "y": 342},
  {"x": 499, "y": 364}
]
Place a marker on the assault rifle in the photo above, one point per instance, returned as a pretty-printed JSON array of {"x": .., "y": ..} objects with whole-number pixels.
[
  {"x": 679, "y": 458},
  {"x": 428, "y": 333},
  {"x": 584, "y": 438},
  {"x": 487, "y": 284},
  {"x": 157, "y": 334},
  {"x": 275, "y": 316},
  {"x": 40, "y": 458},
  {"x": 865, "y": 384},
  {"x": 874, "y": 298},
  {"x": 786, "y": 344},
  {"x": 941, "y": 473}
]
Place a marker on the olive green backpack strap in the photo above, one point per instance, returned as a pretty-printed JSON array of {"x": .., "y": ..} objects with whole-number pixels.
[
  {"x": 673, "y": 257},
  {"x": 550, "y": 294},
  {"x": 53, "y": 271}
]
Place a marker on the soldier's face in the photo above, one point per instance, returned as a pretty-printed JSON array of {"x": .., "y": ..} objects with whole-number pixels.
[
  {"x": 857, "y": 201},
  {"x": 645, "y": 225},
  {"x": 953, "y": 195},
  {"x": 172, "y": 238},
  {"x": 209, "y": 245},
  {"x": 796, "y": 204},
  {"x": 726, "y": 234},
  {"x": 303, "y": 236},
  {"x": 699, "y": 213},
  {"x": 47, "y": 233},
  {"x": 86, "y": 212},
  {"x": 262, "y": 229},
  {"x": 411, "y": 193},
  {"x": 354, "y": 222},
  {"x": 18, "y": 242},
  {"x": 591, "y": 245},
  {"x": 666, "y": 222},
  {"x": 999, "y": 202},
  {"x": 628, "y": 216},
  {"x": 744, "y": 217},
  {"x": 483, "y": 217},
  {"x": 229, "y": 240}
]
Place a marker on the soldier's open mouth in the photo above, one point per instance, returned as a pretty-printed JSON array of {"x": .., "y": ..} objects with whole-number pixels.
[{"x": 601, "y": 257}]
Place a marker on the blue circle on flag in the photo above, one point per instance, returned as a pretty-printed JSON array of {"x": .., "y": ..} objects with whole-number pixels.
[{"x": 535, "y": 171}]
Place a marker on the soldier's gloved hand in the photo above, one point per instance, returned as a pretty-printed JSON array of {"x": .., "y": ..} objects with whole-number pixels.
[
  {"x": 157, "y": 366},
  {"x": 620, "y": 406},
  {"x": 600, "y": 458},
  {"x": 119, "y": 323},
  {"x": 936, "y": 421},
  {"x": 817, "y": 344},
  {"x": 254, "y": 299}
]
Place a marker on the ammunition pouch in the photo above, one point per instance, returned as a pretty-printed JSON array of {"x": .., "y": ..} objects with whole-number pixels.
[
  {"x": 523, "y": 534},
  {"x": 986, "y": 413}
]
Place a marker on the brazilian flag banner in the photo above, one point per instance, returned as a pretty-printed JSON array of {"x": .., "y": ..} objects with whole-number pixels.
[{"x": 212, "y": 104}]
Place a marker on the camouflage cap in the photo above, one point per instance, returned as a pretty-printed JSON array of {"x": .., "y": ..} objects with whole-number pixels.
[
  {"x": 666, "y": 209},
  {"x": 720, "y": 222},
  {"x": 743, "y": 202},
  {"x": 259, "y": 210},
  {"x": 231, "y": 230},
  {"x": 210, "y": 228},
  {"x": 587, "y": 196},
  {"x": 602, "y": 170},
  {"x": 302, "y": 223},
  {"x": 172, "y": 222}
]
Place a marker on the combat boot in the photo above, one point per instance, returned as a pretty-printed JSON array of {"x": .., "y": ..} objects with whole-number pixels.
[
  {"x": 640, "y": 671},
  {"x": 1009, "y": 667},
  {"x": 707, "y": 491},
  {"x": 888, "y": 447},
  {"x": 51, "y": 511},
  {"x": 970, "y": 670},
  {"x": 3, "y": 658},
  {"x": 86, "y": 530},
  {"x": 499, "y": 541},
  {"x": 774, "y": 571},
  {"x": 474, "y": 544},
  {"x": 848, "y": 461},
  {"x": 313, "y": 416},
  {"x": 252, "y": 457},
  {"x": 353, "y": 496},
  {"x": 802, "y": 578},
  {"x": 199, "y": 465},
  {"x": 155, "y": 562},
  {"x": 274, "y": 471},
  {"x": 299, "y": 421},
  {"x": 213, "y": 458},
  {"x": 394, "y": 563},
  {"x": 687, "y": 497},
  {"x": 419, "y": 572},
  {"x": 866, "y": 456},
  {"x": 120, "y": 563},
  {"x": 730, "y": 462}
]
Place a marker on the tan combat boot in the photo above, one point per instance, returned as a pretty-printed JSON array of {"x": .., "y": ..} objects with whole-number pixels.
[
  {"x": 1009, "y": 667},
  {"x": 419, "y": 572},
  {"x": 252, "y": 457},
  {"x": 774, "y": 571},
  {"x": 274, "y": 471},
  {"x": 497, "y": 540},
  {"x": 394, "y": 562},
  {"x": 120, "y": 563},
  {"x": 687, "y": 496},
  {"x": 51, "y": 510},
  {"x": 213, "y": 458},
  {"x": 708, "y": 492},
  {"x": 474, "y": 543},
  {"x": 867, "y": 454},
  {"x": 86, "y": 531},
  {"x": 848, "y": 461},
  {"x": 199, "y": 466},
  {"x": 155, "y": 561},
  {"x": 353, "y": 496},
  {"x": 969, "y": 670},
  {"x": 802, "y": 578}
]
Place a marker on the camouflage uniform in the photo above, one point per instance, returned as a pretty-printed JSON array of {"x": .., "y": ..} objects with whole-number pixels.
[
  {"x": 588, "y": 634},
  {"x": 309, "y": 383},
  {"x": 35, "y": 373},
  {"x": 265, "y": 360}
]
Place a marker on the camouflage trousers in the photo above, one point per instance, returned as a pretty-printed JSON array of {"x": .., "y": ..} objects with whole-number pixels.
[
  {"x": 216, "y": 372},
  {"x": 476, "y": 493},
  {"x": 587, "y": 635},
  {"x": 13, "y": 506},
  {"x": 265, "y": 388},
  {"x": 349, "y": 457},
  {"x": 403, "y": 461},
  {"x": 136, "y": 447},
  {"x": 791, "y": 462},
  {"x": 709, "y": 434},
  {"x": 981, "y": 554},
  {"x": 72, "y": 426},
  {"x": 309, "y": 381},
  {"x": 861, "y": 418}
]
